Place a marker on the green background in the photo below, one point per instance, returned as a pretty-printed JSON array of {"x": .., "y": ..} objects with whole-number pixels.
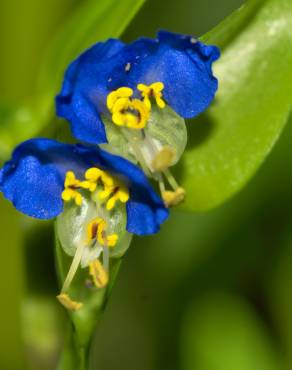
[{"x": 211, "y": 291}]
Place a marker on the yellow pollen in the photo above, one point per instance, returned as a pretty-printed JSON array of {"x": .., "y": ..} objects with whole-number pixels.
[
  {"x": 122, "y": 92},
  {"x": 67, "y": 302},
  {"x": 98, "y": 273},
  {"x": 173, "y": 198},
  {"x": 70, "y": 192},
  {"x": 154, "y": 90},
  {"x": 96, "y": 229}
]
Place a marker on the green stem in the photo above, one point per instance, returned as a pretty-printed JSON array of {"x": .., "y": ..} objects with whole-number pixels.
[
  {"x": 74, "y": 356},
  {"x": 83, "y": 358}
]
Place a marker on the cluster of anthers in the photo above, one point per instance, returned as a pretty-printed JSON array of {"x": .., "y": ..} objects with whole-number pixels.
[
  {"x": 113, "y": 190},
  {"x": 130, "y": 112},
  {"x": 106, "y": 191}
]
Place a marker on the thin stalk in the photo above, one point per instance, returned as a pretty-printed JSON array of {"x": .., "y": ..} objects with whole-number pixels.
[
  {"x": 137, "y": 152},
  {"x": 73, "y": 357}
]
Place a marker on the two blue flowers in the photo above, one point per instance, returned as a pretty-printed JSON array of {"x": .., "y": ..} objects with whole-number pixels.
[{"x": 126, "y": 104}]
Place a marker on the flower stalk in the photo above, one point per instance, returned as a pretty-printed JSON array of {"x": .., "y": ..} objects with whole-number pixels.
[{"x": 83, "y": 322}]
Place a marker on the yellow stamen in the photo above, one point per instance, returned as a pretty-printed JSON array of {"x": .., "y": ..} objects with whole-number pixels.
[
  {"x": 93, "y": 228},
  {"x": 98, "y": 273},
  {"x": 70, "y": 192},
  {"x": 96, "y": 229},
  {"x": 113, "y": 189},
  {"x": 102, "y": 195},
  {"x": 92, "y": 176},
  {"x": 67, "y": 302},
  {"x": 112, "y": 240},
  {"x": 173, "y": 198},
  {"x": 118, "y": 192},
  {"x": 154, "y": 90},
  {"x": 122, "y": 92},
  {"x": 163, "y": 159},
  {"x": 130, "y": 113}
]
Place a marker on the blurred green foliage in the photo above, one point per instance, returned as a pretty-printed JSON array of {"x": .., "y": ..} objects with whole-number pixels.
[
  {"x": 223, "y": 327},
  {"x": 211, "y": 291}
]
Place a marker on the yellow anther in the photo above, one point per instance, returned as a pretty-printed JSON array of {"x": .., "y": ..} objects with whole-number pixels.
[
  {"x": 112, "y": 188},
  {"x": 118, "y": 192},
  {"x": 67, "y": 302},
  {"x": 122, "y": 92},
  {"x": 112, "y": 240},
  {"x": 70, "y": 194},
  {"x": 71, "y": 185},
  {"x": 107, "y": 179},
  {"x": 96, "y": 229},
  {"x": 130, "y": 113},
  {"x": 173, "y": 198},
  {"x": 71, "y": 180},
  {"x": 98, "y": 273},
  {"x": 152, "y": 91},
  {"x": 102, "y": 195},
  {"x": 92, "y": 176},
  {"x": 163, "y": 159}
]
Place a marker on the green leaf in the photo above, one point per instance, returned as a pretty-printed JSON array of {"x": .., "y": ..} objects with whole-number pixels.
[
  {"x": 226, "y": 31},
  {"x": 221, "y": 332},
  {"x": 94, "y": 21},
  {"x": 229, "y": 142}
]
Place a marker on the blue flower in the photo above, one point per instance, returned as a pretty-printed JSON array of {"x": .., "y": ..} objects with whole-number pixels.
[
  {"x": 33, "y": 180},
  {"x": 173, "y": 67}
]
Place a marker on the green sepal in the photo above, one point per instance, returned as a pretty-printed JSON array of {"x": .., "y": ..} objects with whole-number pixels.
[
  {"x": 168, "y": 128},
  {"x": 71, "y": 226},
  {"x": 117, "y": 142}
]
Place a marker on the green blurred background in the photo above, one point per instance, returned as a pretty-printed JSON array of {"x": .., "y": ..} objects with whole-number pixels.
[{"x": 210, "y": 292}]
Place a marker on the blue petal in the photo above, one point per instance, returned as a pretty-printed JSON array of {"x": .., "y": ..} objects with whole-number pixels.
[
  {"x": 84, "y": 91},
  {"x": 33, "y": 181},
  {"x": 182, "y": 63},
  {"x": 86, "y": 124}
]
